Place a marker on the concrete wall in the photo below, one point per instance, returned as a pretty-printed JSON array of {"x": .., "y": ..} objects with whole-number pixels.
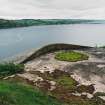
[{"x": 52, "y": 48}]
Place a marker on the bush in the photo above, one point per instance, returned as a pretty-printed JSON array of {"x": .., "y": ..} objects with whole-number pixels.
[{"x": 7, "y": 69}]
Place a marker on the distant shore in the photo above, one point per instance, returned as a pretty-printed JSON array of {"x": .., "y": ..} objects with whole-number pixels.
[{"x": 36, "y": 22}]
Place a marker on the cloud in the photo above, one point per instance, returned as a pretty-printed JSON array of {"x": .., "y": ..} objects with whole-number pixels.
[{"x": 52, "y": 9}]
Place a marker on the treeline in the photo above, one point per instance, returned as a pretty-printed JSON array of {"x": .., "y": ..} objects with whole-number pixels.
[{"x": 32, "y": 22}]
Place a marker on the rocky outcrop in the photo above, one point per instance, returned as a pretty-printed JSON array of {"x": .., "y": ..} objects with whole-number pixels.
[{"x": 53, "y": 48}]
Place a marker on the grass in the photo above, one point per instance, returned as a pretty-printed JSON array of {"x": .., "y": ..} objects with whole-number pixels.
[
  {"x": 71, "y": 56},
  {"x": 66, "y": 82},
  {"x": 19, "y": 94},
  {"x": 7, "y": 69},
  {"x": 60, "y": 77}
]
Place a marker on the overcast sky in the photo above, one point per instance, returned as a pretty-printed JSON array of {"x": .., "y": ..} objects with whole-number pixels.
[{"x": 87, "y": 9}]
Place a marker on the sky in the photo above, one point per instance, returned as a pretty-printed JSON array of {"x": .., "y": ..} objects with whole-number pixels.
[{"x": 52, "y": 9}]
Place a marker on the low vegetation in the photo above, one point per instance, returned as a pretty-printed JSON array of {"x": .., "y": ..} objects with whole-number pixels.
[
  {"x": 19, "y": 94},
  {"x": 65, "y": 86},
  {"x": 7, "y": 69},
  {"x": 71, "y": 56},
  {"x": 67, "y": 82},
  {"x": 20, "y": 91}
]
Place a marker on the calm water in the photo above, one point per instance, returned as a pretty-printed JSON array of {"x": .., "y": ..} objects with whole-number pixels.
[{"x": 18, "y": 40}]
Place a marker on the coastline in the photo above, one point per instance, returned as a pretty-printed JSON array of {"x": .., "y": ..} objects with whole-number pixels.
[
  {"x": 36, "y": 52},
  {"x": 19, "y": 57}
]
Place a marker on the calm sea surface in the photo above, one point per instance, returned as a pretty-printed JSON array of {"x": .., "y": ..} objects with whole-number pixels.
[{"x": 17, "y": 40}]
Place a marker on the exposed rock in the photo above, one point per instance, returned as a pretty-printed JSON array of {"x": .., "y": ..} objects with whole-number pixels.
[
  {"x": 102, "y": 97},
  {"x": 9, "y": 77},
  {"x": 90, "y": 72},
  {"x": 30, "y": 77}
]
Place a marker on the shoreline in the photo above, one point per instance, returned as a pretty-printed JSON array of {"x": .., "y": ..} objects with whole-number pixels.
[
  {"x": 37, "y": 52},
  {"x": 15, "y": 23},
  {"x": 18, "y": 57}
]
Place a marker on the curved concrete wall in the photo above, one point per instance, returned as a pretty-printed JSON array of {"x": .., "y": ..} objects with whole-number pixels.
[{"x": 52, "y": 48}]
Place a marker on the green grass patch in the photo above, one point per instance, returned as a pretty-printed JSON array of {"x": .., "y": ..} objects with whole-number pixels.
[
  {"x": 7, "y": 69},
  {"x": 66, "y": 82},
  {"x": 19, "y": 94},
  {"x": 71, "y": 56}
]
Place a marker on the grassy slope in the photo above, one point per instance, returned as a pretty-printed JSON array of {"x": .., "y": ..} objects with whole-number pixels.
[{"x": 16, "y": 94}]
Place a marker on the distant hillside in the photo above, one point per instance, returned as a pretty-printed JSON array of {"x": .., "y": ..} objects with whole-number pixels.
[{"x": 36, "y": 22}]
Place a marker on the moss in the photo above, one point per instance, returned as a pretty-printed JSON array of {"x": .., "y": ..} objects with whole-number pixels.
[{"x": 71, "y": 56}]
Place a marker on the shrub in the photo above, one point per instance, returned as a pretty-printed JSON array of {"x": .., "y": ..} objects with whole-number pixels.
[{"x": 7, "y": 69}]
